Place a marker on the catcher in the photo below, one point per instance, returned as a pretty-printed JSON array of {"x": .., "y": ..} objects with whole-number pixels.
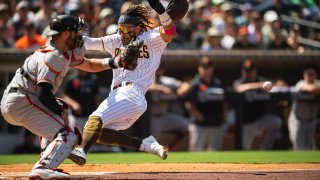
[
  {"x": 29, "y": 100},
  {"x": 127, "y": 102}
]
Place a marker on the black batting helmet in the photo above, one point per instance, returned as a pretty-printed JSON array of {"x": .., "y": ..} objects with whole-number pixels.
[{"x": 65, "y": 22}]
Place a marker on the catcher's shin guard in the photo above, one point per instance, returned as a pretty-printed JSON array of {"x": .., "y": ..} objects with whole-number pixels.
[{"x": 58, "y": 149}]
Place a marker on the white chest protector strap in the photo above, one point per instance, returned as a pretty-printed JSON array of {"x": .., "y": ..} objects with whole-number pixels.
[{"x": 58, "y": 150}]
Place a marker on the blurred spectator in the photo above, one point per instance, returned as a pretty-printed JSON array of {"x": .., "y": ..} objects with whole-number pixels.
[
  {"x": 112, "y": 29},
  {"x": 21, "y": 17},
  {"x": 255, "y": 119},
  {"x": 208, "y": 114},
  {"x": 28, "y": 146},
  {"x": 218, "y": 16},
  {"x": 5, "y": 21},
  {"x": 243, "y": 40},
  {"x": 280, "y": 7},
  {"x": 255, "y": 29},
  {"x": 213, "y": 40},
  {"x": 4, "y": 41},
  {"x": 165, "y": 118},
  {"x": 43, "y": 16},
  {"x": 273, "y": 34},
  {"x": 105, "y": 19},
  {"x": 293, "y": 38},
  {"x": 199, "y": 33},
  {"x": 279, "y": 41},
  {"x": 304, "y": 115},
  {"x": 82, "y": 95},
  {"x": 30, "y": 38},
  {"x": 229, "y": 37}
]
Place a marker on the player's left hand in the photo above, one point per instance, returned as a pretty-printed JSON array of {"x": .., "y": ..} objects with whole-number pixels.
[{"x": 129, "y": 54}]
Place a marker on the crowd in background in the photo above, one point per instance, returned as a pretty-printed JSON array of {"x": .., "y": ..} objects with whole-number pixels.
[{"x": 209, "y": 24}]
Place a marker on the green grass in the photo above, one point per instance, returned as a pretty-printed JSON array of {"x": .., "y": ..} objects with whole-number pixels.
[{"x": 260, "y": 157}]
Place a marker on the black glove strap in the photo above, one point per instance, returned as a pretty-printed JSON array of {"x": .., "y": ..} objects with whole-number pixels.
[
  {"x": 157, "y": 6},
  {"x": 111, "y": 63}
]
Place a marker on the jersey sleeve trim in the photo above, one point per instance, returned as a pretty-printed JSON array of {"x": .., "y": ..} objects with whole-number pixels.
[
  {"x": 103, "y": 48},
  {"x": 51, "y": 68},
  {"x": 44, "y": 80}
]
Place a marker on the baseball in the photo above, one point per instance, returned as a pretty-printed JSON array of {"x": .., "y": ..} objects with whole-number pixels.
[{"x": 267, "y": 85}]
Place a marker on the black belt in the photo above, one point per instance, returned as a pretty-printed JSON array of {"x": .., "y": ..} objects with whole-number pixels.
[
  {"x": 25, "y": 74},
  {"x": 13, "y": 90},
  {"x": 120, "y": 85}
]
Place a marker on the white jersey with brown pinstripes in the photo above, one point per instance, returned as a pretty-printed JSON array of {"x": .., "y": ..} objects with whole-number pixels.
[{"x": 148, "y": 62}]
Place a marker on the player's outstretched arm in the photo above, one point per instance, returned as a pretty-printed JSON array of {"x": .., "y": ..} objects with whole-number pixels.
[
  {"x": 127, "y": 59},
  {"x": 169, "y": 29}
]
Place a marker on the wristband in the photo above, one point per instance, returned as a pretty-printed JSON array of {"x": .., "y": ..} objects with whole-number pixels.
[
  {"x": 109, "y": 62},
  {"x": 112, "y": 63},
  {"x": 165, "y": 19},
  {"x": 171, "y": 31}
]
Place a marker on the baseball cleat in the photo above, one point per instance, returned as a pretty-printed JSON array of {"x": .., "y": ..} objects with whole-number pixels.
[
  {"x": 78, "y": 156},
  {"x": 151, "y": 145},
  {"x": 43, "y": 172}
]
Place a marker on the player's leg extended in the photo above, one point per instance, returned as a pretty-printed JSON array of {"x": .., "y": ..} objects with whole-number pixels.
[
  {"x": 118, "y": 138},
  {"x": 91, "y": 133},
  {"x": 126, "y": 109},
  {"x": 31, "y": 114},
  {"x": 118, "y": 112}
]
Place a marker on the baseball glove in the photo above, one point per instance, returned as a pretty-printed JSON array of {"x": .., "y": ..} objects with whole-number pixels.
[
  {"x": 177, "y": 9},
  {"x": 129, "y": 55}
]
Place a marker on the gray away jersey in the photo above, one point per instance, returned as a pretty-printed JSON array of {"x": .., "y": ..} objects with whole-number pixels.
[{"x": 47, "y": 64}]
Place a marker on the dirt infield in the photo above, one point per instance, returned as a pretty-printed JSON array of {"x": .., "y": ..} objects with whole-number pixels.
[{"x": 176, "y": 171}]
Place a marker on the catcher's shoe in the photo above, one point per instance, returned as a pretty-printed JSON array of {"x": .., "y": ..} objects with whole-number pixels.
[
  {"x": 78, "y": 156},
  {"x": 43, "y": 172},
  {"x": 151, "y": 145}
]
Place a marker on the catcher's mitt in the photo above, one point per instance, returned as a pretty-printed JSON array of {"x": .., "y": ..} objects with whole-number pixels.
[
  {"x": 177, "y": 9},
  {"x": 129, "y": 55}
]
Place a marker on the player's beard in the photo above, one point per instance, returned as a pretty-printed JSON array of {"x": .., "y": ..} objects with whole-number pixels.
[
  {"x": 127, "y": 38},
  {"x": 71, "y": 42}
]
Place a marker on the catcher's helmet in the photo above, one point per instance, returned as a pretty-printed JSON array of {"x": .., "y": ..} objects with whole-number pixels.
[{"x": 65, "y": 22}]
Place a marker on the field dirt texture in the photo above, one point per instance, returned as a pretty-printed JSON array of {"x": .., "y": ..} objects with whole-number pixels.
[{"x": 176, "y": 171}]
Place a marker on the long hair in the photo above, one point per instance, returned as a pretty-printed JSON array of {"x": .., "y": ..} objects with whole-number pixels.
[{"x": 142, "y": 14}]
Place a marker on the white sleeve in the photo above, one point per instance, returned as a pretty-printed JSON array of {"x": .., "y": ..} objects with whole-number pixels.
[
  {"x": 94, "y": 44},
  {"x": 299, "y": 85}
]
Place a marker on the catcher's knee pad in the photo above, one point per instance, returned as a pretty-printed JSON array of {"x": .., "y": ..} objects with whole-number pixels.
[
  {"x": 58, "y": 149},
  {"x": 93, "y": 125}
]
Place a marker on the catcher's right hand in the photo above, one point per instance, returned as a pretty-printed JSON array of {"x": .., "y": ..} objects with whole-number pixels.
[
  {"x": 65, "y": 109},
  {"x": 129, "y": 54}
]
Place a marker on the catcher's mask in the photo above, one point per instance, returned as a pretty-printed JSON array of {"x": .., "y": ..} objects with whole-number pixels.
[
  {"x": 68, "y": 22},
  {"x": 127, "y": 25}
]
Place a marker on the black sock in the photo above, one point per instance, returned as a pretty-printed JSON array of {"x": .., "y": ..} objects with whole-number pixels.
[{"x": 118, "y": 138}]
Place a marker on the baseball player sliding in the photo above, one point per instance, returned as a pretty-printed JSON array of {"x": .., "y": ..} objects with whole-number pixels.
[
  {"x": 29, "y": 100},
  {"x": 127, "y": 102}
]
